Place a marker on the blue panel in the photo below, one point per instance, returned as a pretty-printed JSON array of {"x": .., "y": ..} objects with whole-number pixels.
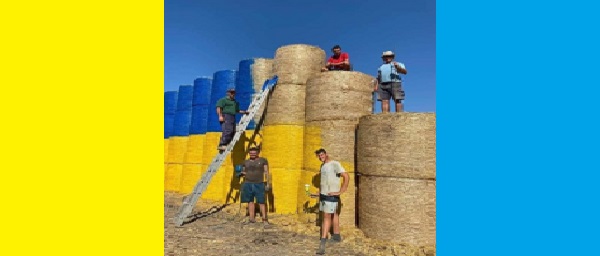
[
  {"x": 181, "y": 125},
  {"x": 168, "y": 129},
  {"x": 244, "y": 83},
  {"x": 199, "y": 123},
  {"x": 170, "y": 102},
  {"x": 202, "y": 88},
  {"x": 222, "y": 80},
  {"x": 184, "y": 98},
  {"x": 244, "y": 99}
]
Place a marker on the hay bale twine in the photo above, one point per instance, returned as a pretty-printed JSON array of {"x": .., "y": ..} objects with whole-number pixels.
[
  {"x": 397, "y": 145},
  {"x": 335, "y": 136},
  {"x": 339, "y": 95},
  {"x": 286, "y": 105},
  {"x": 399, "y": 210},
  {"x": 295, "y": 63}
]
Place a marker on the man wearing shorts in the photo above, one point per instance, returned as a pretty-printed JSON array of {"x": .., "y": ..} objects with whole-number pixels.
[
  {"x": 329, "y": 196},
  {"x": 389, "y": 82},
  {"x": 254, "y": 171}
]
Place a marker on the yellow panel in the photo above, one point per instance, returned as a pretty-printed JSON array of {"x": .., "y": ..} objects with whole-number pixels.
[
  {"x": 191, "y": 174},
  {"x": 305, "y": 204},
  {"x": 166, "y": 150},
  {"x": 195, "y": 149},
  {"x": 283, "y": 146},
  {"x": 173, "y": 177},
  {"x": 284, "y": 194},
  {"x": 177, "y": 149}
]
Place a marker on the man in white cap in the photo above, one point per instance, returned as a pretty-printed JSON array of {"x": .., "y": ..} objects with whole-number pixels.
[
  {"x": 227, "y": 107},
  {"x": 389, "y": 82}
]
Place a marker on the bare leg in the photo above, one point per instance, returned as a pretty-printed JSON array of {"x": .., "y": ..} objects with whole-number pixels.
[
  {"x": 326, "y": 225},
  {"x": 399, "y": 107},
  {"x": 336, "y": 223},
  {"x": 263, "y": 212},
  {"x": 251, "y": 210},
  {"x": 385, "y": 106}
]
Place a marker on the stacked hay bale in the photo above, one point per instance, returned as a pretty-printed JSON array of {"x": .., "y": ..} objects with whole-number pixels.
[
  {"x": 179, "y": 139},
  {"x": 193, "y": 167},
  {"x": 334, "y": 103},
  {"x": 170, "y": 104},
  {"x": 218, "y": 186},
  {"x": 283, "y": 134},
  {"x": 262, "y": 70},
  {"x": 396, "y": 159}
]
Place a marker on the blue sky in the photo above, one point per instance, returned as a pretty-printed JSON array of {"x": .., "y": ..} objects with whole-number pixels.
[{"x": 202, "y": 37}]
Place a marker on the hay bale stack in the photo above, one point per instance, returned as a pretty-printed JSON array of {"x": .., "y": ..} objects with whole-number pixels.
[
  {"x": 339, "y": 95},
  {"x": 295, "y": 64},
  {"x": 286, "y": 105},
  {"x": 408, "y": 140},
  {"x": 396, "y": 157},
  {"x": 261, "y": 70}
]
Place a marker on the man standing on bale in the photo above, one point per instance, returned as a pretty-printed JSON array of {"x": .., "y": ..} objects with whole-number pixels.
[
  {"x": 227, "y": 107},
  {"x": 389, "y": 82},
  {"x": 254, "y": 170},
  {"x": 338, "y": 61},
  {"x": 329, "y": 196}
]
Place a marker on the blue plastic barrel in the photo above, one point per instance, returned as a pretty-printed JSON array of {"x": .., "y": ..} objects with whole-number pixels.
[
  {"x": 245, "y": 83},
  {"x": 168, "y": 129},
  {"x": 170, "y": 102},
  {"x": 181, "y": 124},
  {"x": 222, "y": 80},
  {"x": 199, "y": 119},
  {"x": 202, "y": 89},
  {"x": 184, "y": 97}
]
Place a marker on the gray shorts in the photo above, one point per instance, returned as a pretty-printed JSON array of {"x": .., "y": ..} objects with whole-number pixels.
[
  {"x": 392, "y": 89},
  {"x": 328, "y": 207}
]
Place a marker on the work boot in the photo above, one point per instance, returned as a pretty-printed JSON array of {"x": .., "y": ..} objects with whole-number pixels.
[
  {"x": 336, "y": 238},
  {"x": 321, "y": 250}
]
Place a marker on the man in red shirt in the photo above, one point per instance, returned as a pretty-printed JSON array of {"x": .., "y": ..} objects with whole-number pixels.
[{"x": 338, "y": 61}]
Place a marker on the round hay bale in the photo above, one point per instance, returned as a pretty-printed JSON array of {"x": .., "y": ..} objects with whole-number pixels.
[
  {"x": 282, "y": 145},
  {"x": 295, "y": 63},
  {"x": 335, "y": 136},
  {"x": 286, "y": 105},
  {"x": 397, "y": 145},
  {"x": 261, "y": 70},
  {"x": 339, "y": 95},
  {"x": 398, "y": 210}
]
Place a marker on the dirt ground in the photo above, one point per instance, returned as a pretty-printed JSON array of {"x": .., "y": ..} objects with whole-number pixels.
[{"x": 214, "y": 229}]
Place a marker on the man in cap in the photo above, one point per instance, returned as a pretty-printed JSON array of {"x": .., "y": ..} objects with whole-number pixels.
[
  {"x": 227, "y": 107},
  {"x": 389, "y": 82},
  {"x": 338, "y": 61}
]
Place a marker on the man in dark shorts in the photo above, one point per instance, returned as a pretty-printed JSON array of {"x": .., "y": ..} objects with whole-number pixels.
[
  {"x": 254, "y": 171},
  {"x": 389, "y": 82}
]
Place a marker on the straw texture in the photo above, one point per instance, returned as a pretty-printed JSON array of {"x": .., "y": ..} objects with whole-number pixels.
[
  {"x": 190, "y": 175},
  {"x": 261, "y": 70},
  {"x": 336, "y": 136},
  {"x": 284, "y": 191},
  {"x": 173, "y": 177},
  {"x": 294, "y": 64},
  {"x": 286, "y": 105},
  {"x": 177, "y": 149},
  {"x": 397, "y": 145},
  {"x": 339, "y": 95},
  {"x": 398, "y": 210}
]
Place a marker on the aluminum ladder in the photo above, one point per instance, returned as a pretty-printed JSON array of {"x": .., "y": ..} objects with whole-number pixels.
[{"x": 190, "y": 201}]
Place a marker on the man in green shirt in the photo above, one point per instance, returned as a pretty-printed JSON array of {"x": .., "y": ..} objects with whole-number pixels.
[{"x": 227, "y": 107}]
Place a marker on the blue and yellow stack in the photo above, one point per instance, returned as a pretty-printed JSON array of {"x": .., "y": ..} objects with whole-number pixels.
[
  {"x": 179, "y": 139},
  {"x": 170, "y": 104}
]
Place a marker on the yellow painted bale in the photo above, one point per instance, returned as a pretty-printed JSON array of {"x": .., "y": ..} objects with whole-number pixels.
[
  {"x": 195, "y": 149},
  {"x": 294, "y": 64},
  {"x": 177, "y": 149},
  {"x": 282, "y": 145},
  {"x": 211, "y": 142},
  {"x": 348, "y": 203},
  {"x": 285, "y": 190},
  {"x": 166, "y": 150},
  {"x": 190, "y": 176},
  {"x": 173, "y": 177},
  {"x": 335, "y": 136},
  {"x": 286, "y": 105},
  {"x": 215, "y": 190},
  {"x": 341, "y": 95}
]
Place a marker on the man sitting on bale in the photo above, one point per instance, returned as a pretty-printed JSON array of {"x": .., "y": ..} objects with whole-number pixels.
[{"x": 338, "y": 61}]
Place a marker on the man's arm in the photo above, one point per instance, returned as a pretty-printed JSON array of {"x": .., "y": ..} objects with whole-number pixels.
[
  {"x": 400, "y": 68},
  {"x": 221, "y": 119}
]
